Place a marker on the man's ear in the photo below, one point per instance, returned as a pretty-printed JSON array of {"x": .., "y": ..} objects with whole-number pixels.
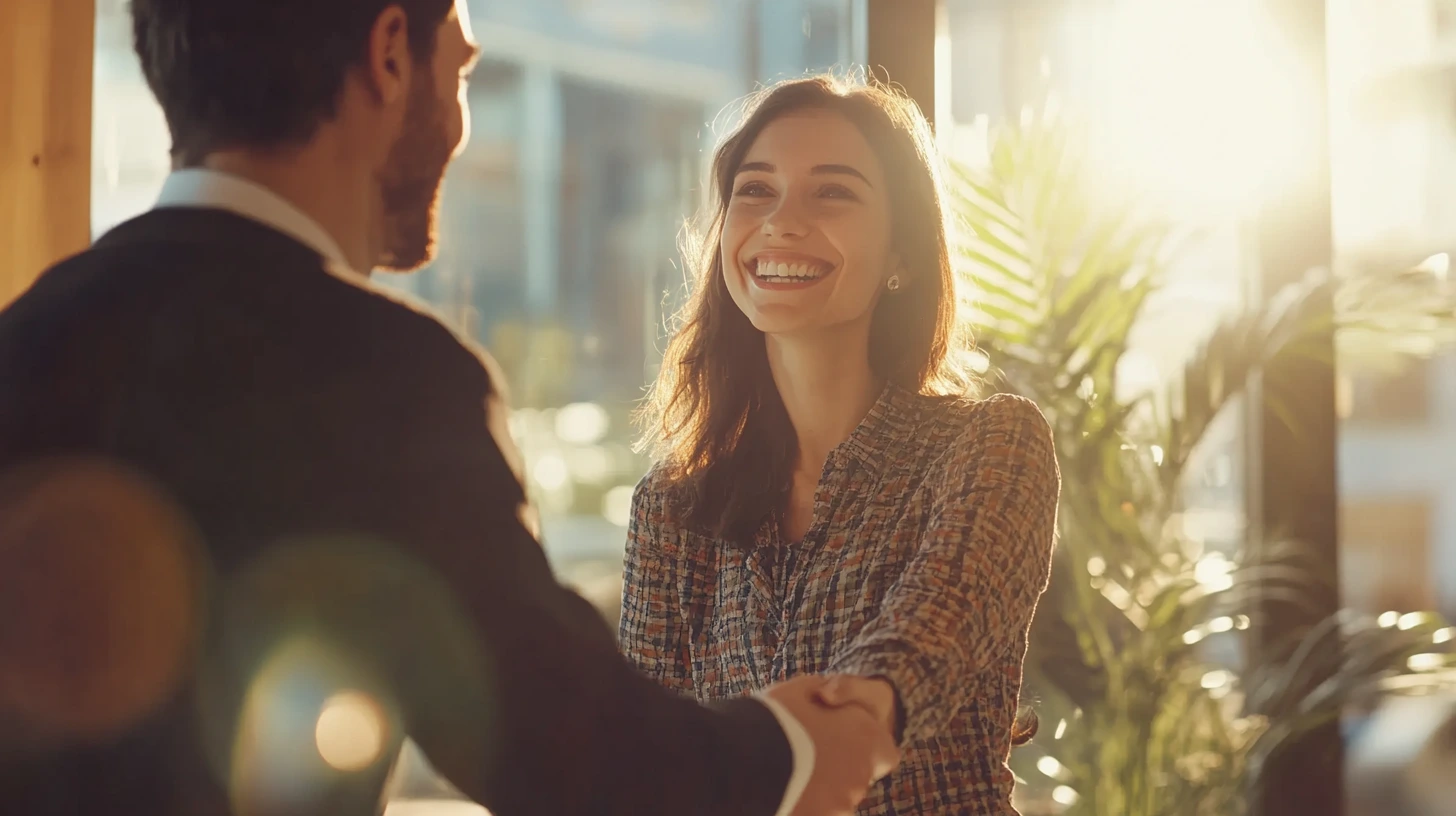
[{"x": 389, "y": 64}]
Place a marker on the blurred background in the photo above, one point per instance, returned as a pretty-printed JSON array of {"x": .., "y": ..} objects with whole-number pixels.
[{"x": 593, "y": 122}]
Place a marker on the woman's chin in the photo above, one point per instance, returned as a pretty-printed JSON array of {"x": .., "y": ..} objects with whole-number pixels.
[{"x": 781, "y": 320}]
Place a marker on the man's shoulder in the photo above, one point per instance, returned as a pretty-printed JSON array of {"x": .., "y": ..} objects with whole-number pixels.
[
  {"x": 291, "y": 310},
  {"x": 405, "y": 332}
]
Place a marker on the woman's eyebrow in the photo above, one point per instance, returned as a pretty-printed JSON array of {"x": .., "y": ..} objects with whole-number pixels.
[{"x": 819, "y": 170}]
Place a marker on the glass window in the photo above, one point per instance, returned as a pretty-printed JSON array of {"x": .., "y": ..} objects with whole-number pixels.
[
  {"x": 1397, "y": 396},
  {"x": 1380, "y": 538},
  {"x": 128, "y": 133},
  {"x": 1393, "y": 140},
  {"x": 592, "y": 123},
  {"x": 1393, "y": 146}
]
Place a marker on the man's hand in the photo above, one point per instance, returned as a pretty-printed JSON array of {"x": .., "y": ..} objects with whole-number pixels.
[
  {"x": 873, "y": 694},
  {"x": 852, "y": 749}
]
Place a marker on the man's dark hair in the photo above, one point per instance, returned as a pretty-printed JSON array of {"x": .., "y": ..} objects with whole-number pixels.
[{"x": 260, "y": 73}]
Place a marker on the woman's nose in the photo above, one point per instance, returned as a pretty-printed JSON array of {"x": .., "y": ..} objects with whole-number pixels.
[{"x": 786, "y": 221}]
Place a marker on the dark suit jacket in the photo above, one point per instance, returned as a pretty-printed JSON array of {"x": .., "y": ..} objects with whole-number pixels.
[{"x": 358, "y": 528}]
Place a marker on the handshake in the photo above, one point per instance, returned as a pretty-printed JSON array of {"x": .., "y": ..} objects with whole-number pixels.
[{"x": 851, "y": 721}]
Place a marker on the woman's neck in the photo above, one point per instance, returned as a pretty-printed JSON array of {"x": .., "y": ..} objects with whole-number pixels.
[{"x": 827, "y": 388}]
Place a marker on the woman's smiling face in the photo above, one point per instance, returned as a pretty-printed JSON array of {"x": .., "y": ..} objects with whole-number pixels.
[{"x": 806, "y": 236}]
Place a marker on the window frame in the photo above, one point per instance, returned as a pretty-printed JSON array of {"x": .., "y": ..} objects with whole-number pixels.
[
  {"x": 45, "y": 153},
  {"x": 1292, "y": 448}
]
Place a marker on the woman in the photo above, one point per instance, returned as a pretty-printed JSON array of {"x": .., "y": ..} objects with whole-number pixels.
[{"x": 827, "y": 500}]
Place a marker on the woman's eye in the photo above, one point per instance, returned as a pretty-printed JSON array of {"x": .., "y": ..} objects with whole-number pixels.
[
  {"x": 753, "y": 189},
  {"x": 836, "y": 191}
]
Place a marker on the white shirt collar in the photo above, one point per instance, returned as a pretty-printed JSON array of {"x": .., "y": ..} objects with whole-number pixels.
[{"x": 197, "y": 187}]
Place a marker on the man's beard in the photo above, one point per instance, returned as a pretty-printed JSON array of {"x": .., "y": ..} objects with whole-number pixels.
[{"x": 410, "y": 182}]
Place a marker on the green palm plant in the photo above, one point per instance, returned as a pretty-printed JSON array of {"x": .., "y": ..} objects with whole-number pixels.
[{"x": 1142, "y": 713}]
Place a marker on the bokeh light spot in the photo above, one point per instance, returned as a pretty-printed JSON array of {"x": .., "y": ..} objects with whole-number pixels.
[
  {"x": 98, "y": 586},
  {"x": 350, "y": 731}
]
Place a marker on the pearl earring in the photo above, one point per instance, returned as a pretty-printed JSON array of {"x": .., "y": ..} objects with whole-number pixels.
[{"x": 893, "y": 284}]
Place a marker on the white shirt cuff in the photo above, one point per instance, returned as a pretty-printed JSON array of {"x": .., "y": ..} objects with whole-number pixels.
[{"x": 801, "y": 745}]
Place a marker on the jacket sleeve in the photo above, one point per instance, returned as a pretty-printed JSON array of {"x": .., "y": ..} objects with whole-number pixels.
[
  {"x": 511, "y": 685},
  {"x": 652, "y": 633},
  {"x": 971, "y": 588}
]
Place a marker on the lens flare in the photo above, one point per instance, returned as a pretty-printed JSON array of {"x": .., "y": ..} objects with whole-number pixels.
[
  {"x": 98, "y": 598},
  {"x": 350, "y": 731}
]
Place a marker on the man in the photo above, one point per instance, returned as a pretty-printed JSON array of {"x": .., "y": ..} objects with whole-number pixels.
[{"x": 214, "y": 407}]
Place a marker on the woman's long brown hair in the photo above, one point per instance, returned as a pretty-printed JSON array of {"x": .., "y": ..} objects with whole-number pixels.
[{"x": 713, "y": 418}]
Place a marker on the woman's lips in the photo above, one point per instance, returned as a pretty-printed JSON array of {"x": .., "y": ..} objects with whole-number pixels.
[{"x": 788, "y": 273}]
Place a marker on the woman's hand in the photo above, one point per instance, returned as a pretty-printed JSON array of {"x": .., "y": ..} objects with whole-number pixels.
[{"x": 873, "y": 694}]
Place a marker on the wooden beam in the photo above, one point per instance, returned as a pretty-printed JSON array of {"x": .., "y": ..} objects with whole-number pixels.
[
  {"x": 46, "y": 53},
  {"x": 901, "y": 45}
]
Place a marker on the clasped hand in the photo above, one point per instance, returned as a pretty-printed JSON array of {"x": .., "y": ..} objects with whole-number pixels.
[{"x": 851, "y": 721}]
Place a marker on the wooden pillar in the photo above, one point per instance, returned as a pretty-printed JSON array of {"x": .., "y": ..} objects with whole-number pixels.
[
  {"x": 901, "y": 45},
  {"x": 46, "y": 53}
]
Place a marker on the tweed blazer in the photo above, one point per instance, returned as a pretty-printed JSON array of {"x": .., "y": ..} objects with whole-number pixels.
[{"x": 930, "y": 545}]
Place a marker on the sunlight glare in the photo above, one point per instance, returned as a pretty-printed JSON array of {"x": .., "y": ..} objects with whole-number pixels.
[
  {"x": 1426, "y": 662},
  {"x": 1214, "y": 572},
  {"x": 617, "y": 505},
  {"x": 1438, "y": 265},
  {"x": 582, "y": 423},
  {"x": 551, "y": 472},
  {"x": 1411, "y": 620},
  {"x": 1199, "y": 101},
  {"x": 1216, "y": 679}
]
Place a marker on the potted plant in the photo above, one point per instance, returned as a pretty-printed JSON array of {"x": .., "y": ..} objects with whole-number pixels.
[{"x": 1145, "y": 705}]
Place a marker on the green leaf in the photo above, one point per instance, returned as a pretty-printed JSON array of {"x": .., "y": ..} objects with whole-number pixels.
[{"x": 1060, "y": 274}]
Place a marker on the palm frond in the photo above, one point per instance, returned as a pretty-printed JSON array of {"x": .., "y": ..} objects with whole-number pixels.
[{"x": 1149, "y": 722}]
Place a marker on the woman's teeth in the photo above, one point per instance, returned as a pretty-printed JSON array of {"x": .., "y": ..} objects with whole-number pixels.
[{"x": 781, "y": 271}]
